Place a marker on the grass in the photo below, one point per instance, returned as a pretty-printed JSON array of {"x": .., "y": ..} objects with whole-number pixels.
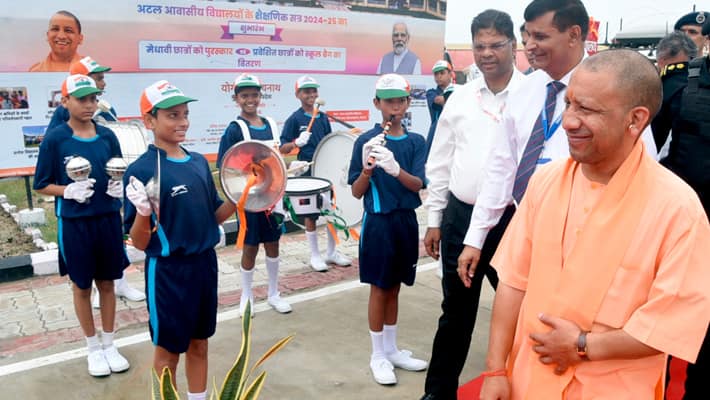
[{"x": 14, "y": 189}]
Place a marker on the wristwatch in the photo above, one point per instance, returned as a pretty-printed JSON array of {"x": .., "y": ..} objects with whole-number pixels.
[{"x": 582, "y": 345}]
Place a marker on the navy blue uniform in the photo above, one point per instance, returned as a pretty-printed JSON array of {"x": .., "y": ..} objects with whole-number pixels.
[
  {"x": 434, "y": 113},
  {"x": 389, "y": 236},
  {"x": 181, "y": 265},
  {"x": 297, "y": 123},
  {"x": 89, "y": 234},
  {"x": 61, "y": 115},
  {"x": 261, "y": 228}
]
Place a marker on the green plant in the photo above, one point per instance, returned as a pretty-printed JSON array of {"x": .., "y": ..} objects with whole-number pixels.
[
  {"x": 234, "y": 386},
  {"x": 14, "y": 189}
]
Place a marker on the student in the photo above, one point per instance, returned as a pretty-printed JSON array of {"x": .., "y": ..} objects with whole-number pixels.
[
  {"x": 263, "y": 227},
  {"x": 295, "y": 134},
  {"x": 88, "y": 213},
  {"x": 89, "y": 67},
  {"x": 181, "y": 263},
  {"x": 435, "y": 98},
  {"x": 389, "y": 176}
]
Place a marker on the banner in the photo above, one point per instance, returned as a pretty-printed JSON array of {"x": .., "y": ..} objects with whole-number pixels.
[{"x": 201, "y": 47}]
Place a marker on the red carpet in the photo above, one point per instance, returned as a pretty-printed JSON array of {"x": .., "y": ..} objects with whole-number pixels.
[{"x": 470, "y": 390}]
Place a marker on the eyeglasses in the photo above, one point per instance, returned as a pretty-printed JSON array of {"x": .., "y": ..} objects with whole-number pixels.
[{"x": 480, "y": 48}]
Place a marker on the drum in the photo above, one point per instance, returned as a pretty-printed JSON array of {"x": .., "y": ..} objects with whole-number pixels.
[
  {"x": 132, "y": 137},
  {"x": 308, "y": 195},
  {"x": 331, "y": 161}
]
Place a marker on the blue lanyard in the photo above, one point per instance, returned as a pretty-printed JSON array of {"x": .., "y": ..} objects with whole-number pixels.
[{"x": 550, "y": 130}]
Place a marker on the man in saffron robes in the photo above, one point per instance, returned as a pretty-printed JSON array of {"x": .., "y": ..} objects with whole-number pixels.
[{"x": 603, "y": 268}]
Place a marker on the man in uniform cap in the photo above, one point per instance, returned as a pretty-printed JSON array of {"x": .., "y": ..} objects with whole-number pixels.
[{"x": 691, "y": 24}]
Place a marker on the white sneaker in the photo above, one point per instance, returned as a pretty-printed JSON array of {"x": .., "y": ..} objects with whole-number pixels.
[
  {"x": 403, "y": 359},
  {"x": 279, "y": 304},
  {"x": 383, "y": 371},
  {"x": 243, "y": 307},
  {"x": 318, "y": 264},
  {"x": 338, "y": 258},
  {"x": 95, "y": 301},
  {"x": 98, "y": 366},
  {"x": 115, "y": 360},
  {"x": 123, "y": 289}
]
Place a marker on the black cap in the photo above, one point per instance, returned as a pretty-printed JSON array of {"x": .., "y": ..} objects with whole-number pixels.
[
  {"x": 706, "y": 28},
  {"x": 694, "y": 18}
]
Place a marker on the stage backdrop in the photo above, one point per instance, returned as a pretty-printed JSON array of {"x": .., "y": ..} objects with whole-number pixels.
[{"x": 201, "y": 47}]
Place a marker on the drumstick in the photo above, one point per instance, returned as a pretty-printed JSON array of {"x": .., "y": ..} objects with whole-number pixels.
[
  {"x": 386, "y": 130},
  {"x": 340, "y": 121},
  {"x": 316, "y": 108},
  {"x": 294, "y": 169}
]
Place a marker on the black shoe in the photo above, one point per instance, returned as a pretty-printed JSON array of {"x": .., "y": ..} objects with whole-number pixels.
[{"x": 429, "y": 397}]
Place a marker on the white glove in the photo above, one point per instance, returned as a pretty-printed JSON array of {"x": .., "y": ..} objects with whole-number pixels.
[
  {"x": 367, "y": 149},
  {"x": 302, "y": 139},
  {"x": 298, "y": 168},
  {"x": 385, "y": 160},
  {"x": 115, "y": 189},
  {"x": 80, "y": 191},
  {"x": 135, "y": 192}
]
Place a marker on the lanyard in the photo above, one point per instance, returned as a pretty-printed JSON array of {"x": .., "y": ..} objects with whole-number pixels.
[
  {"x": 550, "y": 130},
  {"x": 496, "y": 117}
]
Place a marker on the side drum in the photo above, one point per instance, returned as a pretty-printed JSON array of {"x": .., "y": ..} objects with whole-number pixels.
[
  {"x": 331, "y": 161},
  {"x": 132, "y": 137}
]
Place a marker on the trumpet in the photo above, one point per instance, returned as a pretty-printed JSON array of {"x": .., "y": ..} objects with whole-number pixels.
[{"x": 385, "y": 130}]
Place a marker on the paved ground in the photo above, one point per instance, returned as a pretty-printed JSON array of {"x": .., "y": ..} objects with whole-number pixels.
[{"x": 42, "y": 347}]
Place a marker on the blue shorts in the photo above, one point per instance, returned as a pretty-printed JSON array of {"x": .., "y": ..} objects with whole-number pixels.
[
  {"x": 182, "y": 299},
  {"x": 91, "y": 248},
  {"x": 389, "y": 248},
  {"x": 261, "y": 229}
]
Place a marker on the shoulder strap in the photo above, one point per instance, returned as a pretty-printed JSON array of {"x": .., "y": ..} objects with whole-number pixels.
[
  {"x": 245, "y": 129},
  {"x": 274, "y": 130},
  {"x": 694, "y": 74}
]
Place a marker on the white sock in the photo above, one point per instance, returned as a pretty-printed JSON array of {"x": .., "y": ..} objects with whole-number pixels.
[
  {"x": 247, "y": 279},
  {"x": 331, "y": 244},
  {"x": 107, "y": 339},
  {"x": 377, "y": 345},
  {"x": 272, "y": 267},
  {"x": 197, "y": 396},
  {"x": 389, "y": 335},
  {"x": 313, "y": 242},
  {"x": 92, "y": 342}
]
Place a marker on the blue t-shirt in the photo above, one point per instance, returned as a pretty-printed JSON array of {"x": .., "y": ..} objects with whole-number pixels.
[
  {"x": 57, "y": 148},
  {"x": 386, "y": 193},
  {"x": 297, "y": 123},
  {"x": 188, "y": 201},
  {"x": 61, "y": 115},
  {"x": 233, "y": 135}
]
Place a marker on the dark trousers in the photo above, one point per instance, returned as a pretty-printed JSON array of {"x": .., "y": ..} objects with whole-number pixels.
[{"x": 460, "y": 304}]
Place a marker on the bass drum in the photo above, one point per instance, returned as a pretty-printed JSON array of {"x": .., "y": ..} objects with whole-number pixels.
[
  {"x": 132, "y": 137},
  {"x": 331, "y": 161}
]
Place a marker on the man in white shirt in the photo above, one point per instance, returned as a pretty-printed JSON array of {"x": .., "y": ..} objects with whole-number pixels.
[
  {"x": 461, "y": 146},
  {"x": 557, "y": 30},
  {"x": 400, "y": 60}
]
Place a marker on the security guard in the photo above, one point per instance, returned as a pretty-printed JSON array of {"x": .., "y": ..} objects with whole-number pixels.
[
  {"x": 688, "y": 158},
  {"x": 692, "y": 24},
  {"x": 673, "y": 53}
]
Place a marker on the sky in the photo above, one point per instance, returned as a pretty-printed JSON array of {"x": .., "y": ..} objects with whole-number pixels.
[{"x": 635, "y": 14}]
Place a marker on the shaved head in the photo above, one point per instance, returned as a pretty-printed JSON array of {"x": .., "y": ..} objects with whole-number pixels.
[{"x": 634, "y": 76}]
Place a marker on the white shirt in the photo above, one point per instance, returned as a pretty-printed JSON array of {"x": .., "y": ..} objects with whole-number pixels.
[
  {"x": 462, "y": 144},
  {"x": 524, "y": 107}
]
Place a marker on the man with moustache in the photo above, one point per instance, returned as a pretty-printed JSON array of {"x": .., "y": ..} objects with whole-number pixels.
[
  {"x": 64, "y": 37},
  {"x": 462, "y": 143},
  {"x": 603, "y": 268},
  {"x": 692, "y": 24},
  {"x": 400, "y": 60},
  {"x": 530, "y": 133}
]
